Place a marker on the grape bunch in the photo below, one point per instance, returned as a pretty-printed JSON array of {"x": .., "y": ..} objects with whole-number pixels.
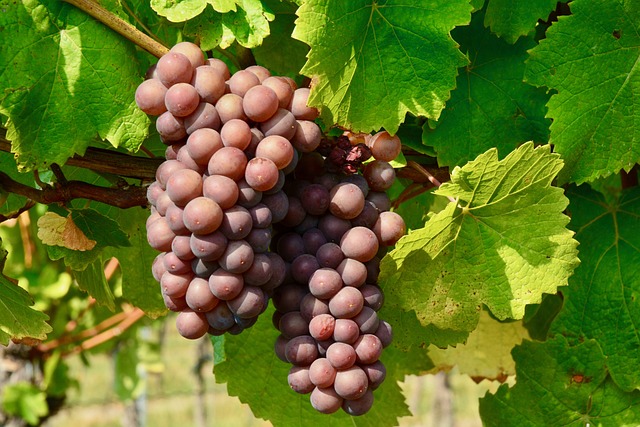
[
  {"x": 253, "y": 203},
  {"x": 229, "y": 145},
  {"x": 337, "y": 227}
]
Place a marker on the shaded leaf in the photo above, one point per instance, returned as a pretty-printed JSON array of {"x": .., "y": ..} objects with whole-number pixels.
[
  {"x": 93, "y": 281},
  {"x": 511, "y": 20}
]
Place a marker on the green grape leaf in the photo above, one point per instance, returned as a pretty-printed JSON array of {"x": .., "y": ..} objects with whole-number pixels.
[
  {"x": 62, "y": 87},
  {"x": 248, "y": 365},
  {"x": 93, "y": 281},
  {"x": 283, "y": 62},
  {"x": 26, "y": 401},
  {"x": 248, "y": 25},
  {"x": 476, "y": 357},
  {"x": 601, "y": 302},
  {"x": 179, "y": 10},
  {"x": 138, "y": 285},
  {"x": 503, "y": 244},
  {"x": 373, "y": 62},
  {"x": 18, "y": 321},
  {"x": 491, "y": 105},
  {"x": 128, "y": 383},
  {"x": 511, "y": 20},
  {"x": 560, "y": 385},
  {"x": 591, "y": 59}
]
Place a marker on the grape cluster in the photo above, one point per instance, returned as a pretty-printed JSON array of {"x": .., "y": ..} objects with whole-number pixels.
[
  {"x": 337, "y": 227},
  {"x": 253, "y": 203}
]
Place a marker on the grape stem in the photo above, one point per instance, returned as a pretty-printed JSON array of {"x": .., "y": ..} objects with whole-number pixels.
[
  {"x": 120, "y": 26},
  {"x": 432, "y": 179}
]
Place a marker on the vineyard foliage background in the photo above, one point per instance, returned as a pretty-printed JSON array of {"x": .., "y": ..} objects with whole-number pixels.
[{"x": 529, "y": 111}]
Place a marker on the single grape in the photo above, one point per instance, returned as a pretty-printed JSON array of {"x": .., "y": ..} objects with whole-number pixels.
[
  {"x": 389, "y": 228},
  {"x": 360, "y": 406},
  {"x": 299, "y": 381},
  {"x": 174, "y": 216},
  {"x": 325, "y": 283},
  {"x": 205, "y": 116},
  {"x": 181, "y": 99},
  {"x": 175, "y": 285},
  {"x": 208, "y": 247},
  {"x": 170, "y": 127},
  {"x": 352, "y": 272},
  {"x": 260, "y": 103},
  {"x": 301, "y": 351},
  {"x": 292, "y": 325},
  {"x": 329, "y": 255},
  {"x": 287, "y": 297},
  {"x": 166, "y": 171},
  {"x": 183, "y": 157},
  {"x": 191, "y": 51},
  {"x": 351, "y": 383},
  {"x": 359, "y": 243},
  {"x": 295, "y": 214},
  {"x": 248, "y": 197},
  {"x": 225, "y": 285},
  {"x": 181, "y": 247},
  {"x": 368, "y": 349},
  {"x": 290, "y": 246},
  {"x": 236, "y": 133},
  {"x": 260, "y": 271},
  {"x": 307, "y": 137},
  {"x": 299, "y": 107},
  {"x": 358, "y": 180},
  {"x": 183, "y": 186},
  {"x": 260, "y": 215},
  {"x": 310, "y": 307},
  {"x": 202, "y": 268},
  {"x": 380, "y": 175},
  {"x": 202, "y": 215},
  {"x": 150, "y": 97},
  {"x": 278, "y": 204},
  {"x": 261, "y": 72},
  {"x": 312, "y": 237},
  {"x": 209, "y": 83},
  {"x": 228, "y": 161},
  {"x": 236, "y": 223},
  {"x": 282, "y": 123},
  {"x": 347, "y": 303},
  {"x": 281, "y": 88},
  {"x": 333, "y": 227},
  {"x": 278, "y": 273},
  {"x": 259, "y": 239},
  {"x": 373, "y": 296},
  {"x": 315, "y": 199},
  {"x": 384, "y": 146},
  {"x": 325, "y": 400},
  {"x": 380, "y": 200},
  {"x": 321, "y": 373},
  {"x": 157, "y": 267},
  {"x": 367, "y": 217},
  {"x": 220, "y": 318},
  {"x": 191, "y": 325},
  {"x": 367, "y": 320},
  {"x": 160, "y": 236},
  {"x": 175, "y": 265},
  {"x": 173, "y": 68},
  {"x": 221, "y": 189},
  {"x": 249, "y": 303},
  {"x": 202, "y": 143},
  {"x": 241, "y": 81},
  {"x": 261, "y": 174},
  {"x": 199, "y": 298},
  {"x": 175, "y": 304},
  {"x": 303, "y": 267},
  {"x": 321, "y": 327},
  {"x": 341, "y": 355},
  {"x": 229, "y": 107},
  {"x": 346, "y": 200},
  {"x": 277, "y": 149},
  {"x": 237, "y": 258},
  {"x": 346, "y": 331},
  {"x": 385, "y": 333},
  {"x": 220, "y": 66},
  {"x": 376, "y": 372}
]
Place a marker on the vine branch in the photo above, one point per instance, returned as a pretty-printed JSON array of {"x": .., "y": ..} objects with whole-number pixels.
[
  {"x": 123, "y": 198},
  {"x": 120, "y": 26}
]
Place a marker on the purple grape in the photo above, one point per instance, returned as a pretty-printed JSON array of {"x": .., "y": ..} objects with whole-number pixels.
[
  {"x": 191, "y": 325},
  {"x": 299, "y": 380}
]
